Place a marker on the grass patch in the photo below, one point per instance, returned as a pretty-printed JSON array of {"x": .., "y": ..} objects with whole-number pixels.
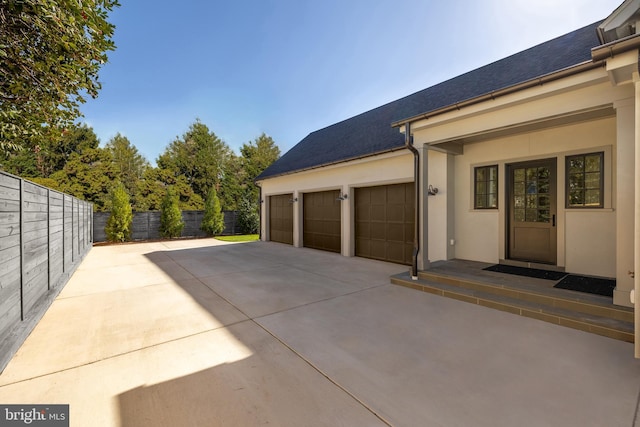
[{"x": 240, "y": 238}]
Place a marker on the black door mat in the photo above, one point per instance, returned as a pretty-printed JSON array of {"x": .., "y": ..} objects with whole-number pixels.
[
  {"x": 591, "y": 285},
  {"x": 528, "y": 272}
]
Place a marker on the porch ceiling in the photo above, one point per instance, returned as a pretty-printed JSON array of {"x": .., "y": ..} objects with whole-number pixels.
[{"x": 454, "y": 145}]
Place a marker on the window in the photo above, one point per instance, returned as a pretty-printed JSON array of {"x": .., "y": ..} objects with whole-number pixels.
[
  {"x": 585, "y": 181},
  {"x": 486, "y": 187}
]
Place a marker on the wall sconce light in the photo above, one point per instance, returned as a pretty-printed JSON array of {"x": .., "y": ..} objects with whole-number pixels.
[
  {"x": 432, "y": 191},
  {"x": 261, "y": 201},
  {"x": 342, "y": 197},
  {"x": 294, "y": 200}
]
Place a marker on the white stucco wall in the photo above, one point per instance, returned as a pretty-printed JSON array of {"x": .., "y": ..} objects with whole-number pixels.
[
  {"x": 586, "y": 237},
  {"x": 391, "y": 168}
]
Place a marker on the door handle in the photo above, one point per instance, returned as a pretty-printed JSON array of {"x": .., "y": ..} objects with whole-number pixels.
[{"x": 553, "y": 220}]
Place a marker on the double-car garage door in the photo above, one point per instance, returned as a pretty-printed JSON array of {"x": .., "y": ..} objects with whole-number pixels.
[{"x": 383, "y": 219}]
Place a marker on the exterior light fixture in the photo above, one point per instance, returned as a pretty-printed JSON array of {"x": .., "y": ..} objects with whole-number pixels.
[
  {"x": 342, "y": 197},
  {"x": 432, "y": 191}
]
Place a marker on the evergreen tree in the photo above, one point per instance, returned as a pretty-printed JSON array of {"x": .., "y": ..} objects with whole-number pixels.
[
  {"x": 171, "y": 223},
  {"x": 118, "y": 228},
  {"x": 131, "y": 166},
  {"x": 213, "y": 220},
  {"x": 248, "y": 217}
]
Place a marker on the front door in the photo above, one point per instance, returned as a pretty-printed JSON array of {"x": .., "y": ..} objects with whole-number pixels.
[{"x": 531, "y": 193}]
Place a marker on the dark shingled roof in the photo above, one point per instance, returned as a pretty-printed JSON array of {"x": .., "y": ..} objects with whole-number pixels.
[{"x": 371, "y": 133}]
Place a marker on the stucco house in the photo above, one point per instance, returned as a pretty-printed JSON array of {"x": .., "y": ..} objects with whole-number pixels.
[{"x": 530, "y": 160}]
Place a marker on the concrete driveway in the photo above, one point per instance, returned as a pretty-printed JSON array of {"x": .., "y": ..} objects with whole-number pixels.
[{"x": 205, "y": 333}]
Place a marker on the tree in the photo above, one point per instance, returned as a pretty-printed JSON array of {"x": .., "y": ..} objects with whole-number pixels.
[
  {"x": 154, "y": 184},
  {"x": 130, "y": 165},
  {"x": 75, "y": 139},
  {"x": 50, "y": 55},
  {"x": 248, "y": 217},
  {"x": 40, "y": 158},
  {"x": 118, "y": 228},
  {"x": 213, "y": 219},
  {"x": 171, "y": 223},
  {"x": 256, "y": 157},
  {"x": 89, "y": 175},
  {"x": 200, "y": 156}
]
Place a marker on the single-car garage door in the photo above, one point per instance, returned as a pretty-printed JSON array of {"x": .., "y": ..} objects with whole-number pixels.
[
  {"x": 384, "y": 218},
  {"x": 281, "y": 219},
  {"x": 322, "y": 227}
]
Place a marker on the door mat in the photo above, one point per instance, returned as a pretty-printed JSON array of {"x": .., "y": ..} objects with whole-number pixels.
[
  {"x": 591, "y": 285},
  {"x": 528, "y": 272}
]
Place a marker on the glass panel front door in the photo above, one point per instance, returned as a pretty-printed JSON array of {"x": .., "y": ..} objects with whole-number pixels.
[{"x": 532, "y": 211}]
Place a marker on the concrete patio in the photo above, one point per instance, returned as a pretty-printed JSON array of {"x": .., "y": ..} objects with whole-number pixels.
[{"x": 206, "y": 333}]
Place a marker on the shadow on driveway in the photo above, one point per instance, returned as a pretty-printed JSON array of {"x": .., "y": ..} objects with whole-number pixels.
[{"x": 327, "y": 341}]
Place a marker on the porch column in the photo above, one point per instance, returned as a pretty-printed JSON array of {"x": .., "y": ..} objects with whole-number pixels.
[
  {"x": 422, "y": 183},
  {"x": 624, "y": 201},
  {"x": 636, "y": 293}
]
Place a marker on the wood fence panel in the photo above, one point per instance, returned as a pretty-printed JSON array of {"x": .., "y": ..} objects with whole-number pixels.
[
  {"x": 146, "y": 225},
  {"x": 35, "y": 251},
  {"x": 10, "y": 303},
  {"x": 68, "y": 233},
  {"x": 44, "y": 235},
  {"x": 56, "y": 239}
]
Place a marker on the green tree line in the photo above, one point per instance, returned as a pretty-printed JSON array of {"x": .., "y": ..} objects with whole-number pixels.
[
  {"x": 51, "y": 52},
  {"x": 192, "y": 165}
]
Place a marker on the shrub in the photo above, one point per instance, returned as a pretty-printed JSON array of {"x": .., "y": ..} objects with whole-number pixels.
[
  {"x": 213, "y": 219},
  {"x": 171, "y": 223},
  {"x": 118, "y": 228}
]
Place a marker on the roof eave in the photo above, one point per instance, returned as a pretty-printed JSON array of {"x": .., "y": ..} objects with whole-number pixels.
[
  {"x": 337, "y": 162},
  {"x": 538, "y": 81},
  {"x": 609, "y": 50}
]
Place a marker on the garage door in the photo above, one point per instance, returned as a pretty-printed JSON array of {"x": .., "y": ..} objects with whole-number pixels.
[
  {"x": 384, "y": 218},
  {"x": 281, "y": 219},
  {"x": 321, "y": 214}
]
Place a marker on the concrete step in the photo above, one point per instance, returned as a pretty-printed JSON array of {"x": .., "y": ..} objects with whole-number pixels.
[
  {"x": 560, "y": 298},
  {"x": 526, "y": 303}
]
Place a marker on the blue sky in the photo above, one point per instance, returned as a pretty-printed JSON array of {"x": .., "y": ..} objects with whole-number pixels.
[{"x": 287, "y": 68}]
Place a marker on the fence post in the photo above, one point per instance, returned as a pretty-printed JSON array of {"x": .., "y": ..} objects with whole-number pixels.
[
  {"x": 48, "y": 239},
  {"x": 21, "y": 249}
]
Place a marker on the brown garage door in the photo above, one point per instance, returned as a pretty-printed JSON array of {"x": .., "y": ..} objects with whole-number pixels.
[
  {"x": 322, "y": 227},
  {"x": 384, "y": 219},
  {"x": 281, "y": 219}
]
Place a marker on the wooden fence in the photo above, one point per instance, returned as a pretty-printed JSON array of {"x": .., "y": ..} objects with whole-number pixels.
[
  {"x": 44, "y": 234},
  {"x": 146, "y": 225}
]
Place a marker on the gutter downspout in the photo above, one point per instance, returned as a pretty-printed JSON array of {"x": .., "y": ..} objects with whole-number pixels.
[
  {"x": 408, "y": 139},
  {"x": 260, "y": 203}
]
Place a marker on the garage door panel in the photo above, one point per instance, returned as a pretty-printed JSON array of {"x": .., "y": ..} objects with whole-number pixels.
[
  {"x": 378, "y": 195},
  {"x": 322, "y": 226},
  {"x": 363, "y": 213},
  {"x": 395, "y": 232},
  {"x": 395, "y": 251},
  {"x": 378, "y": 231},
  {"x": 378, "y": 212},
  {"x": 281, "y": 218},
  {"x": 396, "y": 195},
  {"x": 395, "y": 213},
  {"x": 363, "y": 229},
  {"x": 384, "y": 222}
]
